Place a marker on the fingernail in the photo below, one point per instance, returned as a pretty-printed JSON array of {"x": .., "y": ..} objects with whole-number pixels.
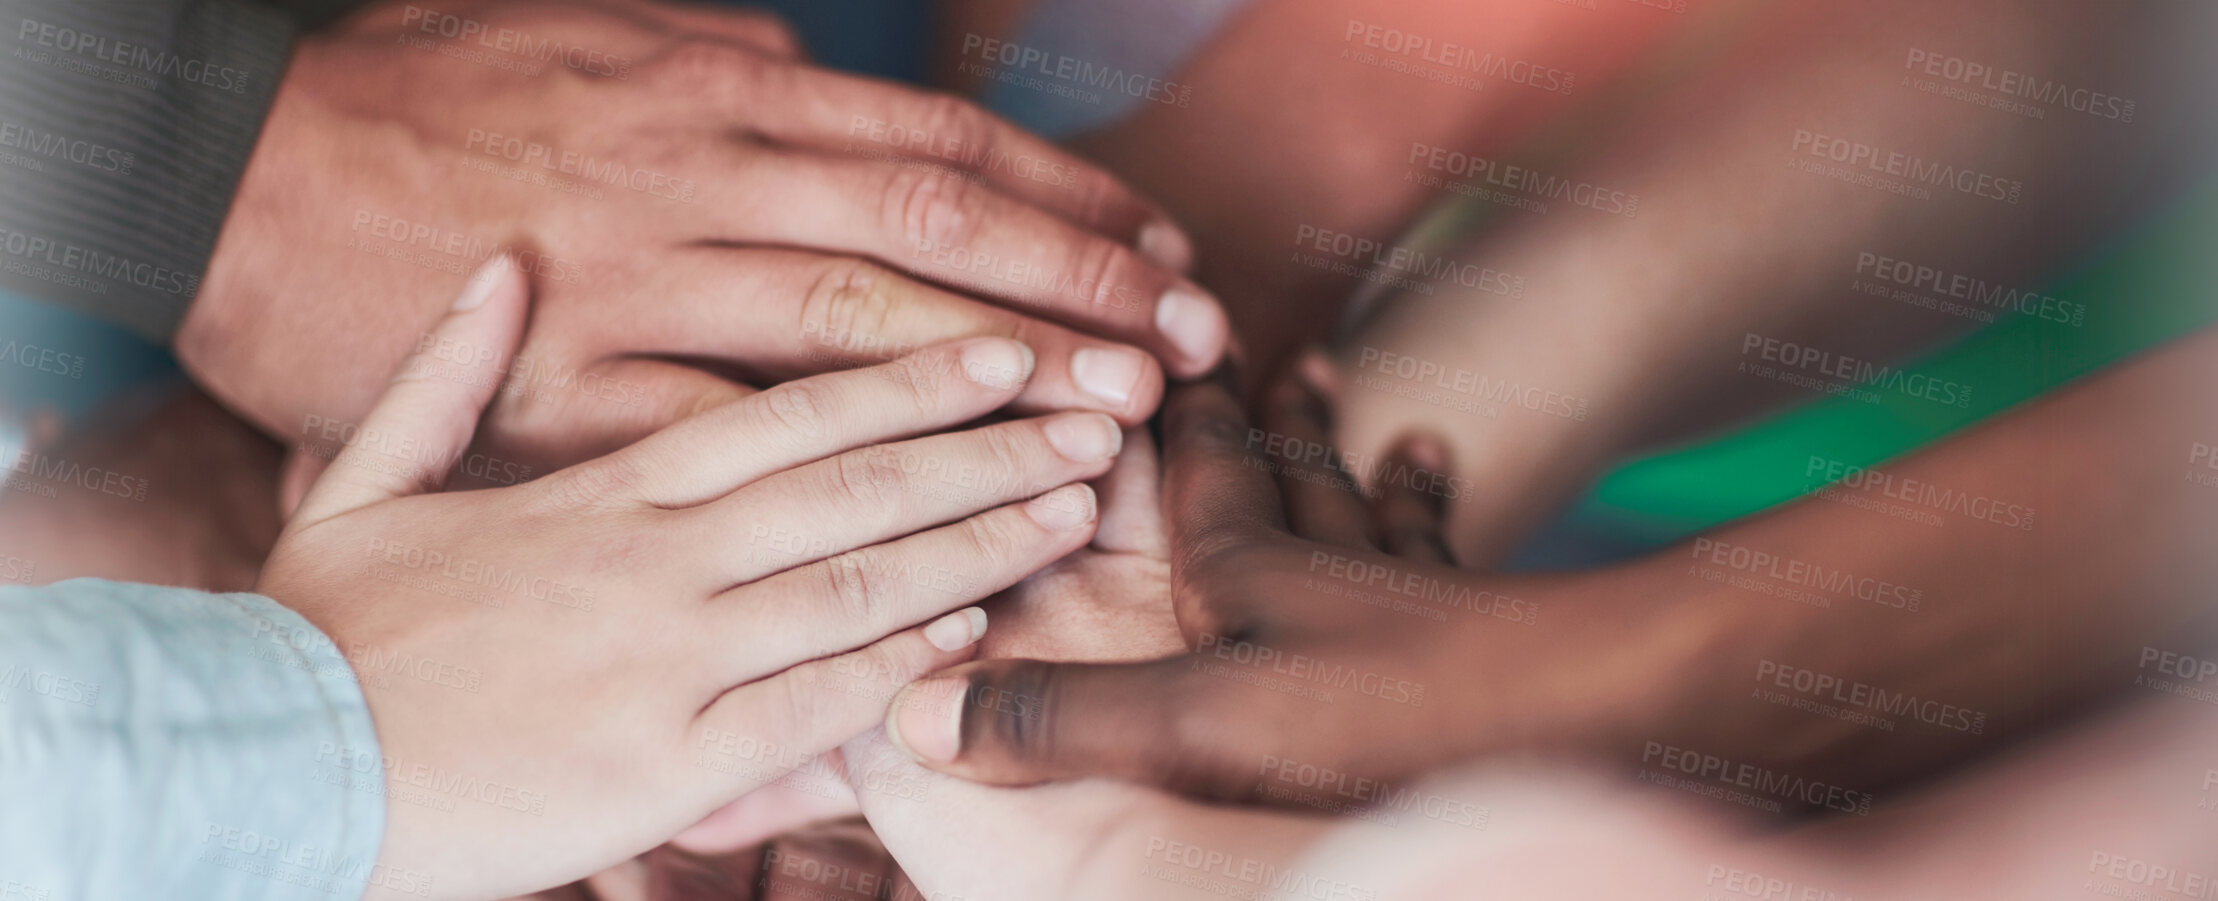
[
  {"x": 1084, "y": 437},
  {"x": 1316, "y": 370},
  {"x": 481, "y": 284},
  {"x": 997, "y": 363},
  {"x": 1063, "y": 509},
  {"x": 957, "y": 630},
  {"x": 1427, "y": 452},
  {"x": 1193, "y": 323},
  {"x": 1110, "y": 375},
  {"x": 927, "y": 719},
  {"x": 1166, "y": 245}
]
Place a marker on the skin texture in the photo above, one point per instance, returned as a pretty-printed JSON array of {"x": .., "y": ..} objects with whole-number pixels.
[
  {"x": 1668, "y": 658},
  {"x": 2125, "y": 793},
  {"x": 206, "y": 518},
  {"x": 691, "y": 648},
  {"x": 766, "y": 236},
  {"x": 1636, "y": 312}
]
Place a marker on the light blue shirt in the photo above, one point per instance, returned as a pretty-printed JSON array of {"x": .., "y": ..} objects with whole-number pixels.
[{"x": 168, "y": 743}]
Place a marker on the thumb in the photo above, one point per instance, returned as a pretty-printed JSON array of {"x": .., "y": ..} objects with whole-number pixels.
[
  {"x": 411, "y": 440},
  {"x": 1166, "y": 722},
  {"x": 303, "y": 467}
]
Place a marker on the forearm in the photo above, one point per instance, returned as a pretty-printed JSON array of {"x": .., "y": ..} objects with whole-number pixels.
[
  {"x": 1975, "y": 591},
  {"x": 1644, "y": 320}
]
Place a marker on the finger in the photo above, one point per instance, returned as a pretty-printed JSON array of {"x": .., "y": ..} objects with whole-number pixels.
[
  {"x": 876, "y": 494},
  {"x": 1132, "y": 501},
  {"x": 786, "y": 314},
  {"x": 713, "y": 454},
  {"x": 764, "y": 813},
  {"x": 1164, "y": 722},
  {"x": 850, "y": 600},
  {"x": 554, "y": 416},
  {"x": 1213, "y": 497},
  {"x": 758, "y": 30},
  {"x": 411, "y": 440},
  {"x": 1410, "y": 515},
  {"x": 956, "y": 232},
  {"x": 811, "y": 708},
  {"x": 1323, "y": 500},
  {"x": 303, "y": 466},
  {"x": 823, "y": 109}
]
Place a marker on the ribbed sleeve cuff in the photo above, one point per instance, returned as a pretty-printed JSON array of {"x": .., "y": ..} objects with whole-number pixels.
[{"x": 124, "y": 128}]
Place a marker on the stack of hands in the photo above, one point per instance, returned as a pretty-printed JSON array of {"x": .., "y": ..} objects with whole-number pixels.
[{"x": 842, "y": 519}]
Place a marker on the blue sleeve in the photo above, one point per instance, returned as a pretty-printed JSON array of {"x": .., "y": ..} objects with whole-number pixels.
[{"x": 168, "y": 743}]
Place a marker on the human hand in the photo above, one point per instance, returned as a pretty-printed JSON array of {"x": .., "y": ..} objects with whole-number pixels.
[
  {"x": 1310, "y": 646},
  {"x": 767, "y": 220},
  {"x": 623, "y": 646}
]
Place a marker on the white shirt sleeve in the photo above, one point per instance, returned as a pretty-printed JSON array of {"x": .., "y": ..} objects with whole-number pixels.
[{"x": 168, "y": 743}]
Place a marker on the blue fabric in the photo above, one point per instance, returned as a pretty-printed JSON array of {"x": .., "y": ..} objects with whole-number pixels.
[
  {"x": 168, "y": 743},
  {"x": 1081, "y": 65}
]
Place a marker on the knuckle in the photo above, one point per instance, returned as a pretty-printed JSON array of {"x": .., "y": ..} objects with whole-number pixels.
[
  {"x": 593, "y": 487},
  {"x": 925, "y": 377},
  {"x": 931, "y": 208},
  {"x": 848, "y": 306},
  {"x": 853, "y": 590},
  {"x": 993, "y": 540},
  {"x": 865, "y": 477},
  {"x": 692, "y": 62},
  {"x": 1005, "y": 451},
  {"x": 799, "y": 703},
  {"x": 953, "y": 119},
  {"x": 1101, "y": 267},
  {"x": 1023, "y": 705},
  {"x": 798, "y": 407},
  {"x": 771, "y": 32}
]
